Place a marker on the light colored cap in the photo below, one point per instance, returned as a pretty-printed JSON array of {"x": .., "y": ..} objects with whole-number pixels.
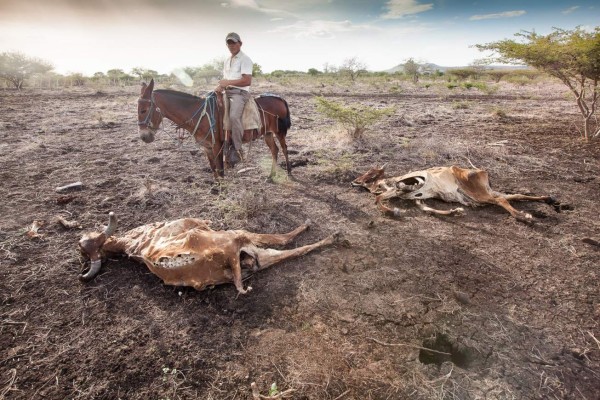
[{"x": 233, "y": 36}]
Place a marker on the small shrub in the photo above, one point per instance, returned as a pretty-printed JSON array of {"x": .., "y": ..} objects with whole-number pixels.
[
  {"x": 451, "y": 86},
  {"x": 460, "y": 105},
  {"x": 499, "y": 112},
  {"x": 356, "y": 119}
]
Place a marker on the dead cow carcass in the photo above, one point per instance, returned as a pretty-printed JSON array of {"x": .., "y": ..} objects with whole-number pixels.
[
  {"x": 187, "y": 252},
  {"x": 470, "y": 187}
]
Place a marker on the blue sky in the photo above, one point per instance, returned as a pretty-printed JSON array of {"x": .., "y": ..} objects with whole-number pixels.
[{"x": 88, "y": 36}]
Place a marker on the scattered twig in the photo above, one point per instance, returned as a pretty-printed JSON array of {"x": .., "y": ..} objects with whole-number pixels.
[
  {"x": 595, "y": 340},
  {"x": 342, "y": 395},
  {"x": 257, "y": 396},
  {"x": 70, "y": 186},
  {"x": 11, "y": 381},
  {"x": 408, "y": 345},
  {"x": 591, "y": 241},
  {"x": 498, "y": 143},
  {"x": 241, "y": 171},
  {"x": 68, "y": 224}
]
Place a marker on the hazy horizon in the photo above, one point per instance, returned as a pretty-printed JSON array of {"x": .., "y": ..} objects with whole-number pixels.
[{"x": 89, "y": 36}]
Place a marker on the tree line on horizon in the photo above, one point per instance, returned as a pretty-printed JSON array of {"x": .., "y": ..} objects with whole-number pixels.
[{"x": 572, "y": 56}]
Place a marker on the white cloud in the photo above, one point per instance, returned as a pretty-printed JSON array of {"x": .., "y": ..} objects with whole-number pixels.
[
  {"x": 400, "y": 8},
  {"x": 321, "y": 29},
  {"x": 506, "y": 14},
  {"x": 253, "y": 5},
  {"x": 570, "y": 10},
  {"x": 245, "y": 3}
]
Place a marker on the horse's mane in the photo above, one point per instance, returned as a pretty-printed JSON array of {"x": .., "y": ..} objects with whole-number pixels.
[{"x": 181, "y": 95}]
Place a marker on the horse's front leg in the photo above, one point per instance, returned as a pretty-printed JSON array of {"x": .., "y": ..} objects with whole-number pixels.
[
  {"x": 217, "y": 155},
  {"x": 211, "y": 160}
]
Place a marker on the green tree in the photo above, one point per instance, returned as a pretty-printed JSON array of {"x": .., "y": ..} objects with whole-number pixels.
[
  {"x": 115, "y": 75},
  {"x": 76, "y": 79},
  {"x": 16, "y": 67},
  {"x": 497, "y": 74},
  {"x": 256, "y": 70},
  {"x": 411, "y": 69},
  {"x": 352, "y": 67},
  {"x": 355, "y": 119},
  {"x": 143, "y": 74},
  {"x": 573, "y": 56},
  {"x": 313, "y": 71},
  {"x": 462, "y": 74}
]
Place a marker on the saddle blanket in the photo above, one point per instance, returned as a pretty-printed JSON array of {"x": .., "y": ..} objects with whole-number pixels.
[{"x": 250, "y": 117}]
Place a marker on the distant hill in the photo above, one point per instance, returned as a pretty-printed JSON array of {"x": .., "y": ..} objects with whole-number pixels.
[{"x": 434, "y": 67}]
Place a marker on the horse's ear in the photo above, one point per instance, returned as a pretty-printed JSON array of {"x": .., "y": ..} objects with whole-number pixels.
[
  {"x": 143, "y": 88},
  {"x": 150, "y": 86},
  {"x": 147, "y": 89}
]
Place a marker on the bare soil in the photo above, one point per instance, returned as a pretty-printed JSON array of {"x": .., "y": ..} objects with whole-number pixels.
[{"x": 514, "y": 307}]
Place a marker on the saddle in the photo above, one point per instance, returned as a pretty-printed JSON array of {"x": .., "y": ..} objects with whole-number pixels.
[{"x": 250, "y": 116}]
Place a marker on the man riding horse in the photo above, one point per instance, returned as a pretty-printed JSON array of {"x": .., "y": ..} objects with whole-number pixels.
[{"x": 237, "y": 77}]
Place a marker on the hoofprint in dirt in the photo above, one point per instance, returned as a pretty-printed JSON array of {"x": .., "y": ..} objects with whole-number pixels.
[{"x": 508, "y": 310}]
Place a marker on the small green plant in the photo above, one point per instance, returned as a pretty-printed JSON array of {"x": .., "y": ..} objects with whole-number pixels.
[
  {"x": 355, "y": 119},
  {"x": 273, "y": 391},
  {"x": 451, "y": 86},
  {"x": 168, "y": 371},
  {"x": 172, "y": 378}
]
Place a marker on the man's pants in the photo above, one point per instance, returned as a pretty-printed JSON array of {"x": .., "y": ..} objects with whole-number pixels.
[{"x": 238, "y": 98}]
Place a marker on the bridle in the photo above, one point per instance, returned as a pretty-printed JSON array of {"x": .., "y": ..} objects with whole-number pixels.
[{"x": 147, "y": 122}]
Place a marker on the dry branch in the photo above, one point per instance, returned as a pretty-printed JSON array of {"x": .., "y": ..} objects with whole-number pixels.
[{"x": 408, "y": 345}]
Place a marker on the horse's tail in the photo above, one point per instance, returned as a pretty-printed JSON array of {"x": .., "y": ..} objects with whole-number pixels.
[{"x": 283, "y": 124}]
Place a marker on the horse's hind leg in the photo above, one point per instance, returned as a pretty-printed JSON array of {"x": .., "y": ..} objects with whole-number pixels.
[
  {"x": 281, "y": 138},
  {"x": 270, "y": 141}
]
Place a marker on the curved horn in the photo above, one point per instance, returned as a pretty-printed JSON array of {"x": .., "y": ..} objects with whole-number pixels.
[
  {"x": 112, "y": 225},
  {"x": 384, "y": 165},
  {"x": 91, "y": 274}
]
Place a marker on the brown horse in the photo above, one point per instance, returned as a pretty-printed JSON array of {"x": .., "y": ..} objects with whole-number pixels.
[{"x": 202, "y": 117}]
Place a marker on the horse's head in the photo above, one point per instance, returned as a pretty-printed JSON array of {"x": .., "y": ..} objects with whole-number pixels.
[
  {"x": 149, "y": 115},
  {"x": 90, "y": 247},
  {"x": 370, "y": 178}
]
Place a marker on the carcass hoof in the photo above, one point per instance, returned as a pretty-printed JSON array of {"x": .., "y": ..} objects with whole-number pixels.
[
  {"x": 397, "y": 212},
  {"x": 338, "y": 239},
  {"x": 524, "y": 217},
  {"x": 458, "y": 212},
  {"x": 245, "y": 291},
  {"x": 308, "y": 223}
]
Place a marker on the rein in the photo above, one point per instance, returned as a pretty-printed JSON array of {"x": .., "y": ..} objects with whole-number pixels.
[{"x": 207, "y": 108}]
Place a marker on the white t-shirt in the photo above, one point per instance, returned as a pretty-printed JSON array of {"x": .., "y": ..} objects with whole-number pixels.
[{"x": 235, "y": 66}]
